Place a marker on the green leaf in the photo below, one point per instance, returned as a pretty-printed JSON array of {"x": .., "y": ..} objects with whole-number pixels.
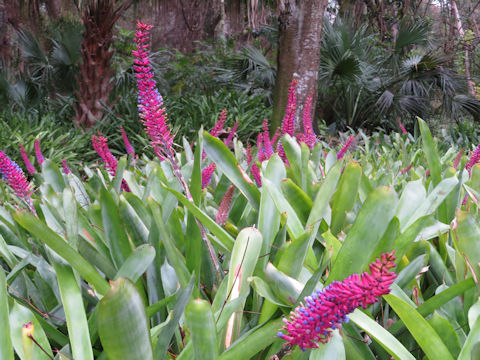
[
  {"x": 62, "y": 248},
  {"x": 437, "y": 301},
  {"x": 430, "y": 151},
  {"x": 365, "y": 234},
  {"x": 333, "y": 349},
  {"x": 201, "y": 323},
  {"x": 6, "y": 349},
  {"x": 166, "y": 334},
  {"x": 345, "y": 196},
  {"x": 137, "y": 263},
  {"x": 223, "y": 239},
  {"x": 268, "y": 220},
  {"x": 381, "y": 335},
  {"x": 423, "y": 333},
  {"x": 446, "y": 331},
  {"x": 122, "y": 323},
  {"x": 74, "y": 312},
  {"x": 242, "y": 264},
  {"x": 472, "y": 340},
  {"x": 264, "y": 290},
  {"x": 19, "y": 316},
  {"x": 294, "y": 224},
  {"x": 117, "y": 179},
  {"x": 221, "y": 155},
  {"x": 467, "y": 239},
  {"x": 299, "y": 200},
  {"x": 52, "y": 176},
  {"x": 253, "y": 341},
  {"x": 118, "y": 242}
]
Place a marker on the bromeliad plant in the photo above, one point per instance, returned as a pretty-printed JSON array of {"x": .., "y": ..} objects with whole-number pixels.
[{"x": 185, "y": 268}]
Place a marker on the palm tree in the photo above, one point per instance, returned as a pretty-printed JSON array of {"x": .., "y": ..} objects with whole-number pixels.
[{"x": 363, "y": 84}]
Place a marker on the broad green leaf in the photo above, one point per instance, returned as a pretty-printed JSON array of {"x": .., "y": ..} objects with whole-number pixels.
[
  {"x": 118, "y": 242},
  {"x": 74, "y": 311},
  {"x": 242, "y": 264},
  {"x": 19, "y": 316},
  {"x": 381, "y": 335},
  {"x": 62, "y": 248},
  {"x": 268, "y": 220},
  {"x": 6, "y": 349},
  {"x": 333, "y": 349},
  {"x": 424, "y": 334},
  {"x": 263, "y": 289},
  {"x": 168, "y": 330},
  {"x": 52, "y": 175},
  {"x": 117, "y": 179},
  {"x": 430, "y": 151},
  {"x": 467, "y": 239},
  {"x": 223, "y": 239},
  {"x": 294, "y": 224},
  {"x": 470, "y": 343},
  {"x": 199, "y": 318},
  {"x": 446, "y": 332},
  {"x": 122, "y": 323},
  {"x": 345, "y": 195},
  {"x": 433, "y": 200},
  {"x": 437, "y": 301},
  {"x": 365, "y": 234},
  {"x": 297, "y": 198},
  {"x": 253, "y": 341},
  {"x": 137, "y": 263},
  {"x": 221, "y": 155}
]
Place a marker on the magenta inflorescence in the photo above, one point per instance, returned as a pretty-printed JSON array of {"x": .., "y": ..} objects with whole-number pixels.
[
  {"x": 30, "y": 168},
  {"x": 207, "y": 175},
  {"x": 150, "y": 101},
  {"x": 474, "y": 159},
  {"x": 100, "y": 145},
  {"x": 15, "y": 178},
  {"x": 325, "y": 309},
  {"x": 66, "y": 169},
  {"x": 38, "y": 153},
  {"x": 345, "y": 147},
  {"x": 308, "y": 136},
  {"x": 128, "y": 146}
]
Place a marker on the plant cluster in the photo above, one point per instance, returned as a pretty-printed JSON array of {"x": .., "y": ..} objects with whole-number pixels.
[{"x": 162, "y": 258}]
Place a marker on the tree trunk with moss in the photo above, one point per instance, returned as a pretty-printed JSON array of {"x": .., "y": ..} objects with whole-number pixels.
[{"x": 300, "y": 29}]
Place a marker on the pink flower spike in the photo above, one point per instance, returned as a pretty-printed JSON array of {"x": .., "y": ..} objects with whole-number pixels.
[
  {"x": 100, "y": 145},
  {"x": 345, "y": 147},
  {"x": 13, "y": 175},
  {"x": 66, "y": 169},
  {"x": 288, "y": 123},
  {"x": 207, "y": 175},
  {"x": 267, "y": 143},
  {"x": 38, "y": 153},
  {"x": 256, "y": 174},
  {"x": 308, "y": 136},
  {"x": 224, "y": 208},
  {"x": 457, "y": 160},
  {"x": 325, "y": 309},
  {"x": 153, "y": 115},
  {"x": 402, "y": 128},
  {"x": 474, "y": 158},
  {"x": 218, "y": 127},
  {"x": 128, "y": 146},
  {"x": 30, "y": 168},
  {"x": 229, "y": 139}
]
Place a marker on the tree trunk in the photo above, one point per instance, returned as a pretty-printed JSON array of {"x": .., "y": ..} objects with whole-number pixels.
[
  {"x": 466, "y": 59},
  {"x": 94, "y": 84},
  {"x": 300, "y": 28},
  {"x": 53, "y": 8}
]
